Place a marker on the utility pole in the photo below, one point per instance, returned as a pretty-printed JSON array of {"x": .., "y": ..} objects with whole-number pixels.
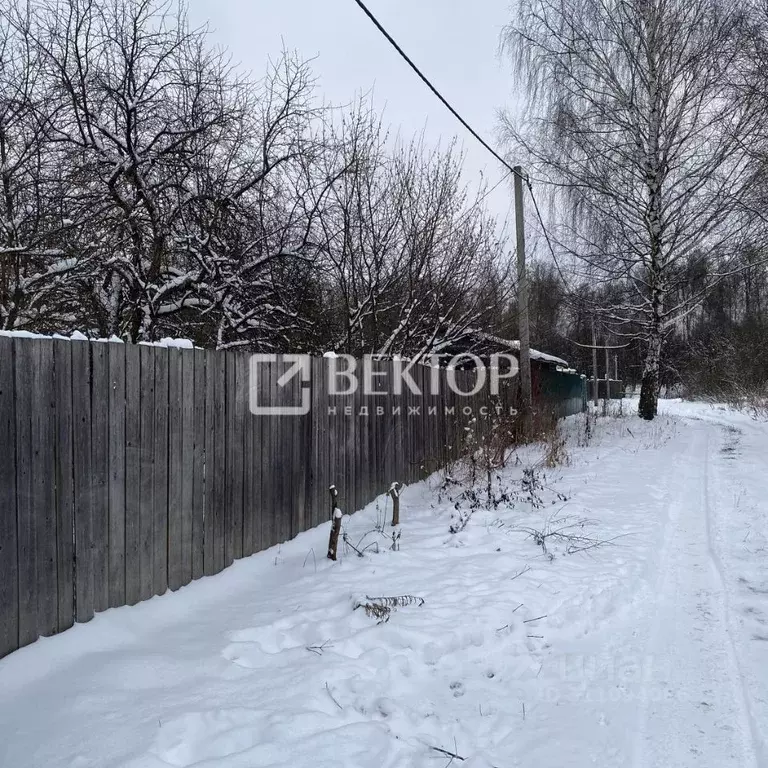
[
  {"x": 594, "y": 364},
  {"x": 522, "y": 300}
]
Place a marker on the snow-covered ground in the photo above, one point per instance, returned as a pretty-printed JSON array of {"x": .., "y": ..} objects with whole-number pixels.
[{"x": 639, "y": 640}]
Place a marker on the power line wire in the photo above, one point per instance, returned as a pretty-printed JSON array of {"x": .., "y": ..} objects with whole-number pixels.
[
  {"x": 474, "y": 133},
  {"x": 431, "y": 87}
]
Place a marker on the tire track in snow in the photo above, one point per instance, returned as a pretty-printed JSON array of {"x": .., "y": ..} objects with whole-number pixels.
[
  {"x": 692, "y": 709},
  {"x": 653, "y": 642},
  {"x": 717, "y": 564}
]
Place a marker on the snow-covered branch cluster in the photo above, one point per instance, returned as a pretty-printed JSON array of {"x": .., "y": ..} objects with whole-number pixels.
[{"x": 149, "y": 190}]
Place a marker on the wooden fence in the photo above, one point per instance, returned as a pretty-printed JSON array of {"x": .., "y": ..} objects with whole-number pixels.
[{"x": 129, "y": 470}]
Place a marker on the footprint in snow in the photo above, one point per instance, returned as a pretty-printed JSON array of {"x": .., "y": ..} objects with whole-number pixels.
[{"x": 457, "y": 688}]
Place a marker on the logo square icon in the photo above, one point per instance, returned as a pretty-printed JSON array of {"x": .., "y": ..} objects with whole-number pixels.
[{"x": 261, "y": 387}]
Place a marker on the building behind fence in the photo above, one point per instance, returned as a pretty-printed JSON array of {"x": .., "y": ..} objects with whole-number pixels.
[
  {"x": 615, "y": 389},
  {"x": 129, "y": 470}
]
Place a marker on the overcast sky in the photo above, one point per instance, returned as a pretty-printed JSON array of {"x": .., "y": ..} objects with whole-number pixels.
[{"x": 454, "y": 43}]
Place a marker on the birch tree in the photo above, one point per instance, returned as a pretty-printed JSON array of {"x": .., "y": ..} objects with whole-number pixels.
[{"x": 631, "y": 113}]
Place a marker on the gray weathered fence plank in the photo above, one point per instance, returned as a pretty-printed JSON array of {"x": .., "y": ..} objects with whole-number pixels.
[
  {"x": 271, "y": 436},
  {"x": 276, "y": 478},
  {"x": 133, "y": 464},
  {"x": 233, "y": 520},
  {"x": 209, "y": 523},
  {"x": 303, "y": 454},
  {"x": 408, "y": 419},
  {"x": 430, "y": 423},
  {"x": 24, "y": 495},
  {"x": 147, "y": 472},
  {"x": 317, "y": 474},
  {"x": 351, "y": 451},
  {"x": 185, "y": 466},
  {"x": 83, "y": 479},
  {"x": 9, "y": 557},
  {"x": 219, "y": 461},
  {"x": 230, "y": 449},
  {"x": 261, "y": 522},
  {"x": 65, "y": 543},
  {"x": 198, "y": 465},
  {"x": 43, "y": 482},
  {"x": 160, "y": 490},
  {"x": 248, "y": 463},
  {"x": 100, "y": 387},
  {"x": 319, "y": 444},
  {"x": 269, "y": 441},
  {"x": 337, "y": 442},
  {"x": 355, "y": 448},
  {"x": 425, "y": 430},
  {"x": 374, "y": 465},
  {"x": 281, "y": 456},
  {"x": 256, "y": 501},
  {"x": 175, "y": 534},
  {"x": 241, "y": 413},
  {"x": 117, "y": 451},
  {"x": 295, "y": 460}
]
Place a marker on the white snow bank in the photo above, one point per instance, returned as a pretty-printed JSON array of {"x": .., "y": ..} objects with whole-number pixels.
[
  {"x": 79, "y": 336},
  {"x": 515, "y": 658},
  {"x": 76, "y": 336}
]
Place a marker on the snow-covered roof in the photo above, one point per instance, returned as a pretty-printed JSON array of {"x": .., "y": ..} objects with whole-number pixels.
[{"x": 514, "y": 344}]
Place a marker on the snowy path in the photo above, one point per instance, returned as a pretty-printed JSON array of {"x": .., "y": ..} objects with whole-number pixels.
[
  {"x": 649, "y": 652},
  {"x": 693, "y": 707}
]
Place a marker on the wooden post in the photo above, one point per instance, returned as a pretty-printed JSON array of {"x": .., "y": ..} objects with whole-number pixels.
[
  {"x": 522, "y": 302},
  {"x": 394, "y": 492},
  {"x": 333, "y": 542}
]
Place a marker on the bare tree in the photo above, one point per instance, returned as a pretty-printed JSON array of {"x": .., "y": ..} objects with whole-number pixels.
[
  {"x": 249, "y": 228},
  {"x": 148, "y": 190},
  {"x": 138, "y": 90},
  {"x": 36, "y": 220},
  {"x": 415, "y": 267},
  {"x": 632, "y": 114}
]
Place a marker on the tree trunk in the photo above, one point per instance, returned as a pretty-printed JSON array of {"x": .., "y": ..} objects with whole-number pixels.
[{"x": 649, "y": 390}]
